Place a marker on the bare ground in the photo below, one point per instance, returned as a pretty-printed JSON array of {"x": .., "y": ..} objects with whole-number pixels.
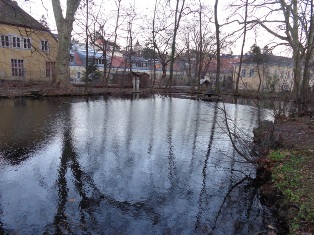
[
  {"x": 291, "y": 189},
  {"x": 11, "y": 89}
]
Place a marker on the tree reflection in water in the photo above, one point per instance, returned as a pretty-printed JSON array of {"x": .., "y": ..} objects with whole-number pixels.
[
  {"x": 124, "y": 166},
  {"x": 63, "y": 223},
  {"x": 203, "y": 199}
]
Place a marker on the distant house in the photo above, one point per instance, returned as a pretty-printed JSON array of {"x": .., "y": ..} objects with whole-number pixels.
[
  {"x": 227, "y": 63},
  {"x": 267, "y": 73},
  {"x": 139, "y": 63},
  {"x": 135, "y": 59},
  {"x": 106, "y": 45},
  {"x": 96, "y": 56},
  {"x": 118, "y": 63},
  {"x": 122, "y": 62},
  {"x": 78, "y": 61},
  {"x": 28, "y": 49}
]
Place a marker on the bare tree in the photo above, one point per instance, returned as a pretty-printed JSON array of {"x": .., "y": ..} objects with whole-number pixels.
[
  {"x": 154, "y": 45},
  {"x": 102, "y": 42},
  {"x": 200, "y": 47},
  {"x": 177, "y": 18},
  {"x": 242, "y": 47},
  {"x": 65, "y": 27},
  {"x": 118, "y": 4},
  {"x": 218, "y": 46},
  {"x": 160, "y": 39},
  {"x": 290, "y": 21},
  {"x": 308, "y": 27}
]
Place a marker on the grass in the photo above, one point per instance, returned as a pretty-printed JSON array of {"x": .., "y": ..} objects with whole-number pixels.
[{"x": 292, "y": 174}]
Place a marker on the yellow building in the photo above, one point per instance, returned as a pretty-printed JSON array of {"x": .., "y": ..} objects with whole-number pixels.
[
  {"x": 267, "y": 73},
  {"x": 27, "y": 49}
]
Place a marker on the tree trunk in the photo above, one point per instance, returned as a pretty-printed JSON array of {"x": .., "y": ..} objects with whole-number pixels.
[
  {"x": 86, "y": 48},
  {"x": 218, "y": 48},
  {"x": 236, "y": 91},
  {"x": 65, "y": 27},
  {"x": 178, "y": 15},
  {"x": 189, "y": 69},
  {"x": 115, "y": 41},
  {"x": 164, "y": 73},
  {"x": 104, "y": 55},
  {"x": 200, "y": 50},
  {"x": 308, "y": 55},
  {"x": 62, "y": 62},
  {"x": 154, "y": 44}
]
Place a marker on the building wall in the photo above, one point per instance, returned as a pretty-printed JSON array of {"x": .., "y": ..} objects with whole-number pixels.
[
  {"x": 271, "y": 77},
  {"x": 31, "y": 54},
  {"x": 76, "y": 73}
]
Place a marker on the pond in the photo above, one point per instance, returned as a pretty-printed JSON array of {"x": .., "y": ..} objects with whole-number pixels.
[{"x": 156, "y": 165}]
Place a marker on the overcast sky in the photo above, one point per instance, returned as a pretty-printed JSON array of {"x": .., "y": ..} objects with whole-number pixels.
[{"x": 37, "y": 8}]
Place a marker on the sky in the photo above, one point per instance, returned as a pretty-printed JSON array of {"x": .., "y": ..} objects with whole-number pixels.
[{"x": 37, "y": 8}]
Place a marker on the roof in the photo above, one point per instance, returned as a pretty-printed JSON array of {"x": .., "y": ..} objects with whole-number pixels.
[
  {"x": 137, "y": 44},
  {"x": 118, "y": 62},
  {"x": 126, "y": 73},
  {"x": 177, "y": 66},
  {"x": 226, "y": 64},
  {"x": 12, "y": 14},
  {"x": 100, "y": 41},
  {"x": 270, "y": 59},
  {"x": 80, "y": 57}
]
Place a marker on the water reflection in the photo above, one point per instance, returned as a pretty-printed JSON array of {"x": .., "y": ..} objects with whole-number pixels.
[
  {"x": 24, "y": 129},
  {"x": 130, "y": 166},
  {"x": 199, "y": 226}
]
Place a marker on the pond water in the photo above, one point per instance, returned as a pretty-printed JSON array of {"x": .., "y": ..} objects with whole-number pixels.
[{"x": 156, "y": 165}]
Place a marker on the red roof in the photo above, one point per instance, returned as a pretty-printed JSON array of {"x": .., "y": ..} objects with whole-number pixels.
[
  {"x": 226, "y": 64},
  {"x": 77, "y": 59},
  {"x": 118, "y": 62}
]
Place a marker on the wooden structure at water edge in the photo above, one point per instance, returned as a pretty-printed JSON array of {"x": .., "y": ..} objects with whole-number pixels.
[{"x": 211, "y": 96}]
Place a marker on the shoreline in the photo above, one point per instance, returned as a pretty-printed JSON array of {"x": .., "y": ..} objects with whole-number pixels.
[
  {"x": 42, "y": 89},
  {"x": 285, "y": 171}
]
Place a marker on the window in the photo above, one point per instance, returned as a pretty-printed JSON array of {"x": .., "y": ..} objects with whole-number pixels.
[
  {"x": 99, "y": 61},
  {"x": 17, "y": 67},
  {"x": 141, "y": 64},
  {"x": 26, "y": 43},
  {"x": 50, "y": 69},
  {"x": 78, "y": 75},
  {"x": 251, "y": 72},
  {"x": 95, "y": 61},
  {"x": 44, "y": 46},
  {"x": 5, "y": 41},
  {"x": 16, "y": 42},
  {"x": 243, "y": 72}
]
